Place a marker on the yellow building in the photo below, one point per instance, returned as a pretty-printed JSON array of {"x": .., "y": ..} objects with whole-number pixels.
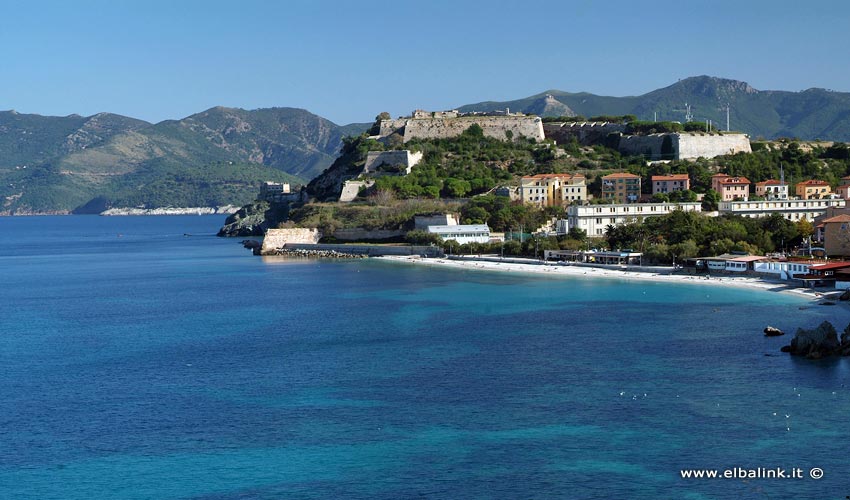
[
  {"x": 813, "y": 190},
  {"x": 553, "y": 190},
  {"x": 621, "y": 188}
]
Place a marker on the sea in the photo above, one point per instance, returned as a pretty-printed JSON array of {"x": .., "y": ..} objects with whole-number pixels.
[{"x": 145, "y": 358}]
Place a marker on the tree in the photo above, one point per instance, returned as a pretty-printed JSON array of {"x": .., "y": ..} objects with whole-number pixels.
[
  {"x": 805, "y": 228},
  {"x": 710, "y": 200}
]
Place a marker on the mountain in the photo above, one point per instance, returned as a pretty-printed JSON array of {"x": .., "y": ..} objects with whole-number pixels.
[
  {"x": 810, "y": 114},
  {"x": 216, "y": 157}
]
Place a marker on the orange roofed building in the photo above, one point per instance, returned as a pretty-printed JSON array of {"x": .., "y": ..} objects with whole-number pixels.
[
  {"x": 731, "y": 188},
  {"x": 621, "y": 188},
  {"x": 813, "y": 190},
  {"x": 670, "y": 183}
]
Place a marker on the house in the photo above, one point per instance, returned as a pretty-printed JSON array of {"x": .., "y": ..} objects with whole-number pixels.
[
  {"x": 464, "y": 233},
  {"x": 813, "y": 190},
  {"x": 731, "y": 188},
  {"x": 670, "y": 183},
  {"x": 772, "y": 189},
  {"x": 553, "y": 190},
  {"x": 836, "y": 235},
  {"x": 621, "y": 188}
]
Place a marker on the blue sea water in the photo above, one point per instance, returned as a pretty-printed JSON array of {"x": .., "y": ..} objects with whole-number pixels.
[{"x": 142, "y": 357}]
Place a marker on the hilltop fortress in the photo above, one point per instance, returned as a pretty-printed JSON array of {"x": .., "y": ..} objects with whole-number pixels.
[
  {"x": 674, "y": 146},
  {"x": 502, "y": 125}
]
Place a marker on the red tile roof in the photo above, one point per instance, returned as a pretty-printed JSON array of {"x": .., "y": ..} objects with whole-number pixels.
[
  {"x": 621, "y": 176},
  {"x": 670, "y": 177},
  {"x": 770, "y": 182},
  {"x": 813, "y": 182},
  {"x": 837, "y": 218},
  {"x": 734, "y": 180}
]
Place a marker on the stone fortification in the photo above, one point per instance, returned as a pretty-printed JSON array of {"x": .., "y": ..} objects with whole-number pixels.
[
  {"x": 682, "y": 146},
  {"x": 360, "y": 234},
  {"x": 695, "y": 145},
  {"x": 586, "y": 133},
  {"x": 277, "y": 238},
  {"x": 444, "y": 125},
  {"x": 403, "y": 158},
  {"x": 351, "y": 188}
]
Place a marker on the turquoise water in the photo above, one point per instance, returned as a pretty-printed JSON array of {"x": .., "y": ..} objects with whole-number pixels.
[{"x": 145, "y": 358}]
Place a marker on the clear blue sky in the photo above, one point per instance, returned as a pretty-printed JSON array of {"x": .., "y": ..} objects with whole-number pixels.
[{"x": 348, "y": 61}]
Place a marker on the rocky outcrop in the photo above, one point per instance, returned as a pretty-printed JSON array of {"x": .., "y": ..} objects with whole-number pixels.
[
  {"x": 254, "y": 219},
  {"x": 819, "y": 342},
  {"x": 772, "y": 331},
  {"x": 226, "y": 209}
]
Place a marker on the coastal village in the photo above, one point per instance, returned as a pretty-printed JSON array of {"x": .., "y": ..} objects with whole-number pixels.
[{"x": 622, "y": 199}]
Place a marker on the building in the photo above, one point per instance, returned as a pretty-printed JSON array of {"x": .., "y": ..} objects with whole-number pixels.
[
  {"x": 553, "y": 190},
  {"x": 836, "y": 235},
  {"x": 731, "y": 188},
  {"x": 593, "y": 219},
  {"x": 621, "y": 188},
  {"x": 670, "y": 183},
  {"x": 421, "y": 222},
  {"x": 463, "y": 234},
  {"x": 625, "y": 257},
  {"x": 844, "y": 189},
  {"x": 792, "y": 210},
  {"x": 772, "y": 189},
  {"x": 782, "y": 269},
  {"x": 813, "y": 190}
]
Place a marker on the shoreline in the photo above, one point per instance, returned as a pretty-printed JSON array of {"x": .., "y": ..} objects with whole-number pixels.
[{"x": 590, "y": 272}]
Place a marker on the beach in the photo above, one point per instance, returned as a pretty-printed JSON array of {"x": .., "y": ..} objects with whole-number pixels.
[{"x": 664, "y": 274}]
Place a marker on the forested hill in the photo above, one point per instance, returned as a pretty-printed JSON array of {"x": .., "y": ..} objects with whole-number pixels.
[
  {"x": 216, "y": 157},
  {"x": 809, "y": 114}
]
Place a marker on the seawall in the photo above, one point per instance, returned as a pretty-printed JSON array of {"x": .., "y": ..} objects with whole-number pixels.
[{"x": 367, "y": 250}]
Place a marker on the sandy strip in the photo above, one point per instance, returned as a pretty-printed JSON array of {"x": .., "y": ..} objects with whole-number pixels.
[{"x": 583, "y": 271}]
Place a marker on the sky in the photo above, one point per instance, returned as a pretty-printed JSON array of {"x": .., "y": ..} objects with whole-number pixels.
[{"x": 347, "y": 61}]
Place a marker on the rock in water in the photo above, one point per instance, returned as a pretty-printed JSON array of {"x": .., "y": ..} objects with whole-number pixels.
[
  {"x": 845, "y": 295},
  {"x": 772, "y": 331},
  {"x": 817, "y": 343}
]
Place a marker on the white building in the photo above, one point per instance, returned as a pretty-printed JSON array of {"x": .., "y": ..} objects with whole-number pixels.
[
  {"x": 792, "y": 210},
  {"x": 783, "y": 270},
  {"x": 464, "y": 233},
  {"x": 593, "y": 219}
]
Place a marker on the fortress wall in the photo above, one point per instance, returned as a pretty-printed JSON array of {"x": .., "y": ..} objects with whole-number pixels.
[
  {"x": 350, "y": 190},
  {"x": 493, "y": 126},
  {"x": 277, "y": 238},
  {"x": 695, "y": 145},
  {"x": 357, "y": 234},
  {"x": 397, "y": 157},
  {"x": 390, "y": 126},
  {"x": 647, "y": 145},
  {"x": 586, "y": 133}
]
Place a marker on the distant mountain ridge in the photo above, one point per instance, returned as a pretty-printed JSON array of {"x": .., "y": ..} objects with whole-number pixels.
[
  {"x": 218, "y": 156},
  {"x": 808, "y": 115}
]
